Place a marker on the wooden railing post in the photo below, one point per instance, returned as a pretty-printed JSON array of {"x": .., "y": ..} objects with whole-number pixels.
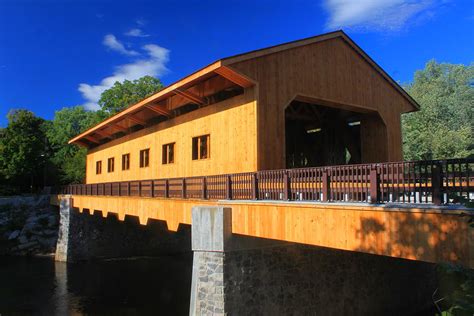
[
  {"x": 183, "y": 188},
  {"x": 436, "y": 183},
  {"x": 204, "y": 187},
  {"x": 167, "y": 193},
  {"x": 326, "y": 187},
  {"x": 152, "y": 188},
  {"x": 254, "y": 186},
  {"x": 374, "y": 186},
  {"x": 228, "y": 188},
  {"x": 286, "y": 186}
]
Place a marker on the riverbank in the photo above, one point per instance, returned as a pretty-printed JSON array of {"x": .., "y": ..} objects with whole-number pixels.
[{"x": 28, "y": 226}]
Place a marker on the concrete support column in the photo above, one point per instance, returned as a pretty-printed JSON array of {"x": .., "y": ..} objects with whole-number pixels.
[
  {"x": 210, "y": 237},
  {"x": 65, "y": 208}
]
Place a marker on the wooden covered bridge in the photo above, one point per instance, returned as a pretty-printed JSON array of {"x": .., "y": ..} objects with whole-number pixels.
[{"x": 298, "y": 144}]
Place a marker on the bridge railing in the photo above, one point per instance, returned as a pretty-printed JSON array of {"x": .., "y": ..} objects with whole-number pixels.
[{"x": 435, "y": 181}]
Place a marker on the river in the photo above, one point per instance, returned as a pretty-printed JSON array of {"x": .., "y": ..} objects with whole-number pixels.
[{"x": 134, "y": 286}]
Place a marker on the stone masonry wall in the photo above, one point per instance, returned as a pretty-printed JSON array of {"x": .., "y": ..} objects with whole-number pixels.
[
  {"x": 302, "y": 280},
  {"x": 208, "y": 274}
]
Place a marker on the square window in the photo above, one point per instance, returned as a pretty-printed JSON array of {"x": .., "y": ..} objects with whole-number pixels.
[{"x": 201, "y": 147}]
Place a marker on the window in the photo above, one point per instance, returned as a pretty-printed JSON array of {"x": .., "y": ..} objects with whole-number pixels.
[
  {"x": 168, "y": 154},
  {"x": 201, "y": 147},
  {"x": 126, "y": 162},
  {"x": 110, "y": 164},
  {"x": 98, "y": 167},
  {"x": 144, "y": 158}
]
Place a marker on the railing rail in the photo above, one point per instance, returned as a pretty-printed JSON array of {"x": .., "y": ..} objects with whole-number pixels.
[{"x": 420, "y": 182}]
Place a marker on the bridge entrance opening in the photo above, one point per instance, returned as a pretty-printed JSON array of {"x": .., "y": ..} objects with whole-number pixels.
[{"x": 317, "y": 135}]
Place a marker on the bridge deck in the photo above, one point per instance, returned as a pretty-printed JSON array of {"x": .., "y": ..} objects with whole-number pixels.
[{"x": 417, "y": 232}]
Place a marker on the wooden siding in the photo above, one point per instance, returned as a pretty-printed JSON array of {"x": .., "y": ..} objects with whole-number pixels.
[
  {"x": 231, "y": 125},
  {"x": 333, "y": 73},
  {"x": 431, "y": 235}
]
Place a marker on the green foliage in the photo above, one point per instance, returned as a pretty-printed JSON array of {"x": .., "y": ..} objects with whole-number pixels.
[
  {"x": 70, "y": 159},
  {"x": 123, "y": 94},
  {"x": 23, "y": 149},
  {"x": 444, "y": 127},
  {"x": 36, "y": 152},
  {"x": 456, "y": 290}
]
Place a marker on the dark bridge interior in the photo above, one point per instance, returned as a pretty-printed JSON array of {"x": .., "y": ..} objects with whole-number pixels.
[{"x": 320, "y": 136}]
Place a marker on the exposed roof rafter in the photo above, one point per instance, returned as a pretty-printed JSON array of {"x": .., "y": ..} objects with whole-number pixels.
[
  {"x": 92, "y": 139},
  {"x": 160, "y": 109},
  {"x": 191, "y": 96},
  {"x": 103, "y": 133},
  {"x": 235, "y": 77},
  {"x": 136, "y": 120}
]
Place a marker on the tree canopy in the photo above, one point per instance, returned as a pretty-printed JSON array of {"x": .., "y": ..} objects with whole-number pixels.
[
  {"x": 34, "y": 152},
  {"x": 70, "y": 159},
  {"x": 23, "y": 148},
  {"x": 123, "y": 94},
  {"x": 444, "y": 126}
]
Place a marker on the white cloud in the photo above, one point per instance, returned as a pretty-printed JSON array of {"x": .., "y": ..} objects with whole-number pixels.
[
  {"x": 136, "y": 33},
  {"x": 113, "y": 43},
  {"x": 153, "y": 65},
  {"x": 376, "y": 14},
  {"x": 140, "y": 22}
]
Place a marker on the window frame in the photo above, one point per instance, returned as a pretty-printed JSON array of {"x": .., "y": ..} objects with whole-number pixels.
[
  {"x": 98, "y": 167},
  {"x": 126, "y": 163},
  {"x": 196, "y": 147},
  {"x": 143, "y": 156},
  {"x": 110, "y": 164},
  {"x": 165, "y": 153}
]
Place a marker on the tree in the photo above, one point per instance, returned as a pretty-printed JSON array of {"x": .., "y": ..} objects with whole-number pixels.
[
  {"x": 23, "y": 149},
  {"x": 69, "y": 159},
  {"x": 444, "y": 126},
  {"x": 123, "y": 94}
]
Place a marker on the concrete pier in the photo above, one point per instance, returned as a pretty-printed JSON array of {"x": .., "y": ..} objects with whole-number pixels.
[{"x": 238, "y": 275}]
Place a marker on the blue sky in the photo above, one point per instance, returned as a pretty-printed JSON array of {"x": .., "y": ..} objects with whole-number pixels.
[{"x": 56, "y": 53}]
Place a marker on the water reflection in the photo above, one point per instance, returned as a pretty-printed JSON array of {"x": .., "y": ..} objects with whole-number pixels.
[{"x": 138, "y": 286}]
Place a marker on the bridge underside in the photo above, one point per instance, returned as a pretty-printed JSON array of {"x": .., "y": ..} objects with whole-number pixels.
[{"x": 431, "y": 234}]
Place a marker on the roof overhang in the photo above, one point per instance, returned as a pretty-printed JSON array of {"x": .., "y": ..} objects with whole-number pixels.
[{"x": 217, "y": 74}]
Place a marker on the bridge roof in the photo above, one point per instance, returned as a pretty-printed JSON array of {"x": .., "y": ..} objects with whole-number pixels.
[{"x": 196, "y": 87}]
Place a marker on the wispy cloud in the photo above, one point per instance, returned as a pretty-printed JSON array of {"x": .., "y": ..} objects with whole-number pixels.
[
  {"x": 114, "y": 44},
  {"x": 377, "y": 14},
  {"x": 136, "y": 33},
  {"x": 154, "y": 64},
  {"x": 140, "y": 22}
]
